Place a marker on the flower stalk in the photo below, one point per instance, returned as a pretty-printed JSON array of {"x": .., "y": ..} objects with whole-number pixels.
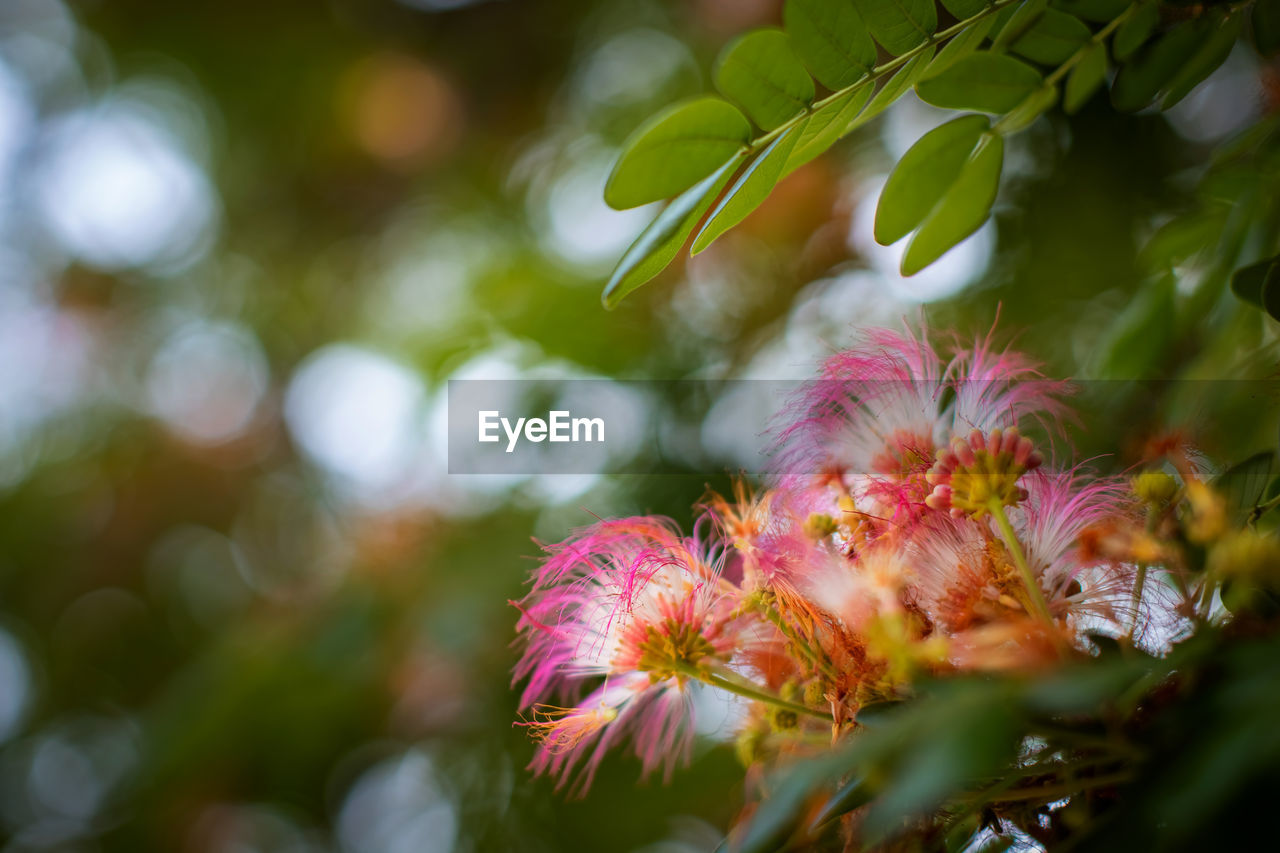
[
  {"x": 739, "y": 686},
  {"x": 1034, "y": 593}
]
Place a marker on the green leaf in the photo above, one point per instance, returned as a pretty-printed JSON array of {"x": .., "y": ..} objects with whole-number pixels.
[
  {"x": 674, "y": 150},
  {"x": 969, "y": 40},
  {"x": 1184, "y": 237},
  {"x": 881, "y": 713},
  {"x": 968, "y": 736},
  {"x": 1243, "y": 484},
  {"x": 827, "y": 124},
  {"x": 988, "y": 82},
  {"x": 899, "y": 25},
  {"x": 1155, "y": 65},
  {"x": 761, "y": 73},
  {"x": 1248, "y": 282},
  {"x": 897, "y": 86},
  {"x": 1266, "y": 26},
  {"x": 751, "y": 188},
  {"x": 790, "y": 792},
  {"x": 1032, "y": 107},
  {"x": 1053, "y": 38},
  {"x": 962, "y": 210},
  {"x": 1085, "y": 688},
  {"x": 923, "y": 176},
  {"x": 851, "y": 795},
  {"x": 1141, "y": 334},
  {"x": 1022, "y": 18},
  {"x": 962, "y": 9},
  {"x": 1135, "y": 31},
  {"x": 1003, "y": 17},
  {"x": 659, "y": 243},
  {"x": 1212, "y": 53},
  {"x": 831, "y": 39},
  {"x": 1093, "y": 10},
  {"x": 1085, "y": 78}
]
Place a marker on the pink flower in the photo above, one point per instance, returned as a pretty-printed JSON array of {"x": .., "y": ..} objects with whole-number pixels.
[
  {"x": 637, "y": 604},
  {"x": 657, "y": 718},
  {"x": 1059, "y": 508},
  {"x": 772, "y": 549},
  {"x": 968, "y": 586},
  {"x": 875, "y": 420}
]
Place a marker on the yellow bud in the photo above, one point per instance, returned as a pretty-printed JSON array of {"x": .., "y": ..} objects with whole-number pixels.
[{"x": 1154, "y": 487}]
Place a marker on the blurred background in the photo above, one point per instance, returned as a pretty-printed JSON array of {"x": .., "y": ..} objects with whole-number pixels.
[{"x": 243, "y": 246}]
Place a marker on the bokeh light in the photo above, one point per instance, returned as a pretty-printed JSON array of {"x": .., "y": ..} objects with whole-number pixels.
[{"x": 117, "y": 191}]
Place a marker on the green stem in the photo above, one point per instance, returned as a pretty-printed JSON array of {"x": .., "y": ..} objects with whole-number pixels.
[
  {"x": 1038, "y": 604},
  {"x": 1098, "y": 38},
  {"x": 1262, "y": 509},
  {"x": 882, "y": 71},
  {"x": 746, "y": 689}
]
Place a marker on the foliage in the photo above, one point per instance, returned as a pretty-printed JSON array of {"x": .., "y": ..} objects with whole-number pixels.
[
  {"x": 1126, "y": 751},
  {"x": 1014, "y": 59}
]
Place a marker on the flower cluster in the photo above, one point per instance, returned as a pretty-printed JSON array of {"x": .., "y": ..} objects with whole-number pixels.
[{"x": 911, "y": 527}]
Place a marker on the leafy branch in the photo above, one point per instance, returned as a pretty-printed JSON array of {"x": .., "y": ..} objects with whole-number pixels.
[{"x": 703, "y": 152}]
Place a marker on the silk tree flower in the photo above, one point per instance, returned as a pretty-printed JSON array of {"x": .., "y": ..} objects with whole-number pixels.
[
  {"x": 968, "y": 585},
  {"x": 872, "y": 425},
  {"x": 911, "y": 528},
  {"x": 633, "y": 609}
]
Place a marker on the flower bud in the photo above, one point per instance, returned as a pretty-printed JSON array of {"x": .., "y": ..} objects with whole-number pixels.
[
  {"x": 1154, "y": 487},
  {"x": 970, "y": 476}
]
